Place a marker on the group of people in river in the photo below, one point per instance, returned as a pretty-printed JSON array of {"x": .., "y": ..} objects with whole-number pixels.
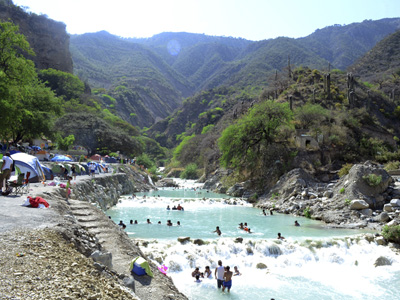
[
  {"x": 245, "y": 227},
  {"x": 223, "y": 274},
  {"x": 179, "y": 207},
  {"x": 131, "y": 222}
]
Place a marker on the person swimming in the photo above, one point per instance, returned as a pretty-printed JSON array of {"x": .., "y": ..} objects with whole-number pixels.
[
  {"x": 237, "y": 273},
  {"x": 296, "y": 223},
  {"x": 280, "y": 237},
  {"x": 217, "y": 230}
]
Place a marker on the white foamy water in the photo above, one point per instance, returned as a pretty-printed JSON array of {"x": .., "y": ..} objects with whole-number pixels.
[{"x": 312, "y": 263}]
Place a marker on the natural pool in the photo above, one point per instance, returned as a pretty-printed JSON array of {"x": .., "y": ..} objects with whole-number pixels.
[{"x": 314, "y": 262}]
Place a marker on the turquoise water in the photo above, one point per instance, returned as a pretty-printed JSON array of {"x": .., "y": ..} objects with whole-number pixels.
[{"x": 313, "y": 262}]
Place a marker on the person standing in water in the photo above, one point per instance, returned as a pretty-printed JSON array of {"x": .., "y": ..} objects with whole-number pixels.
[
  {"x": 227, "y": 279},
  {"x": 219, "y": 274},
  {"x": 207, "y": 272},
  {"x": 217, "y": 230}
]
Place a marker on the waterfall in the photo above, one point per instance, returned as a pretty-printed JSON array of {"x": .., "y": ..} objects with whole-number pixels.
[{"x": 150, "y": 181}]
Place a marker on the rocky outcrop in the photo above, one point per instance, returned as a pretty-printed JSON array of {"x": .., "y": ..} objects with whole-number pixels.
[
  {"x": 105, "y": 191},
  {"x": 48, "y": 38},
  {"x": 367, "y": 196}
]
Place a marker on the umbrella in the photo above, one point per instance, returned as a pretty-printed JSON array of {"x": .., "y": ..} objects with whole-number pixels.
[
  {"x": 37, "y": 148},
  {"x": 61, "y": 158}
]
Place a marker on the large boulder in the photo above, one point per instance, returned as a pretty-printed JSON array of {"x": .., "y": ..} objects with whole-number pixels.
[
  {"x": 237, "y": 190},
  {"x": 358, "y": 204},
  {"x": 383, "y": 217},
  {"x": 292, "y": 183},
  {"x": 395, "y": 202},
  {"x": 382, "y": 261},
  {"x": 102, "y": 258},
  {"x": 366, "y": 181},
  {"x": 183, "y": 240}
]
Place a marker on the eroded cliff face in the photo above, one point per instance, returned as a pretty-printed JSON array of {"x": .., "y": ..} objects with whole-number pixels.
[{"x": 48, "y": 38}]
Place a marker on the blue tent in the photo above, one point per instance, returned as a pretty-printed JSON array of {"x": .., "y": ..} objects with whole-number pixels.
[
  {"x": 48, "y": 173},
  {"x": 28, "y": 163},
  {"x": 111, "y": 160},
  {"x": 61, "y": 158}
]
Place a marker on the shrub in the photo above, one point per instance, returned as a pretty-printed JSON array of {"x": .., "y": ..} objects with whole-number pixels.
[
  {"x": 144, "y": 160},
  {"x": 372, "y": 179},
  {"x": 190, "y": 172},
  {"x": 345, "y": 170},
  {"x": 207, "y": 128},
  {"x": 307, "y": 212},
  {"x": 392, "y": 165},
  {"x": 342, "y": 190},
  {"x": 347, "y": 201},
  {"x": 391, "y": 233}
]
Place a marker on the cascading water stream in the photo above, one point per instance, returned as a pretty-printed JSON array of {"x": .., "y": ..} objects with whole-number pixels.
[{"x": 313, "y": 262}]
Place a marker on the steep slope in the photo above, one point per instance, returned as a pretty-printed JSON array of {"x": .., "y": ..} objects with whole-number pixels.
[
  {"x": 47, "y": 38},
  {"x": 159, "y": 71},
  {"x": 261, "y": 59},
  {"x": 106, "y": 61},
  {"x": 383, "y": 59},
  {"x": 343, "y": 45}
]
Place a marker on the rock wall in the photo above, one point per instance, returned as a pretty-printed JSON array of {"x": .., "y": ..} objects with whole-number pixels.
[
  {"x": 105, "y": 191},
  {"x": 48, "y": 38}
]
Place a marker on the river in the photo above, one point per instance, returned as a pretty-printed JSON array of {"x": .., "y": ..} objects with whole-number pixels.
[{"x": 313, "y": 262}]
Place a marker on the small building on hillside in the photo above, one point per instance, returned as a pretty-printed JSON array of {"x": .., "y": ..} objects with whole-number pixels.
[{"x": 305, "y": 141}]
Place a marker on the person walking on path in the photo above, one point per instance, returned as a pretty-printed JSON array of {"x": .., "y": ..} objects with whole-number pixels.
[
  {"x": 68, "y": 188},
  {"x": 6, "y": 169},
  {"x": 219, "y": 274}
]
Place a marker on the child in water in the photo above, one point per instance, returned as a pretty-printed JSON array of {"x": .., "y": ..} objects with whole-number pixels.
[{"x": 207, "y": 272}]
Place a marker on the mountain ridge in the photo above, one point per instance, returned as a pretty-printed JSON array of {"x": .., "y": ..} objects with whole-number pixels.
[{"x": 169, "y": 67}]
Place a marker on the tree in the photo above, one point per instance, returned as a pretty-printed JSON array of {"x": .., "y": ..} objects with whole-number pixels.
[
  {"x": 95, "y": 134},
  {"x": 28, "y": 107},
  {"x": 310, "y": 115},
  {"x": 63, "y": 84},
  {"x": 254, "y": 140},
  {"x": 65, "y": 143}
]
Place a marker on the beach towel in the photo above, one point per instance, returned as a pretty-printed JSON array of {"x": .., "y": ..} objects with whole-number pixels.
[{"x": 38, "y": 202}]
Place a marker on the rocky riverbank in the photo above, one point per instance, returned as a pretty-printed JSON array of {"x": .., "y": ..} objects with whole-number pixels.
[
  {"x": 367, "y": 197},
  {"x": 74, "y": 251}
]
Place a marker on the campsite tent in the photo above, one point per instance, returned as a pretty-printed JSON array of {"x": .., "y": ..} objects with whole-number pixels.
[
  {"x": 61, "y": 158},
  {"x": 48, "y": 173},
  {"x": 28, "y": 163},
  {"x": 111, "y": 160},
  {"x": 96, "y": 157}
]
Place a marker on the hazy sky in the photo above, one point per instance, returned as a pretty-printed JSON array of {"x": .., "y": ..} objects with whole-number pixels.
[{"x": 249, "y": 19}]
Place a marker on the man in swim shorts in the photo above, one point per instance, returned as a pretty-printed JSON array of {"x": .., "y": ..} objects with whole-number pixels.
[{"x": 227, "y": 279}]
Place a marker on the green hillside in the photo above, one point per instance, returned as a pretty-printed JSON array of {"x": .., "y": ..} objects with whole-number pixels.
[
  {"x": 106, "y": 61},
  {"x": 157, "y": 73}
]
